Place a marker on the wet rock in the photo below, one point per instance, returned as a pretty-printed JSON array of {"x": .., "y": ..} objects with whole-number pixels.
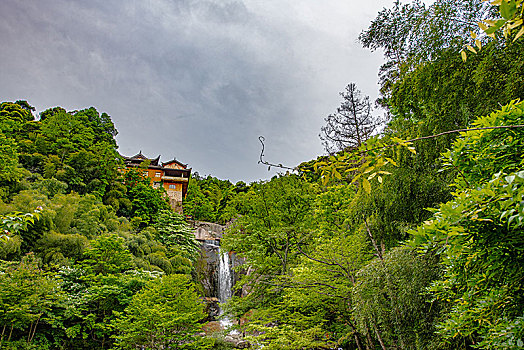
[{"x": 237, "y": 341}]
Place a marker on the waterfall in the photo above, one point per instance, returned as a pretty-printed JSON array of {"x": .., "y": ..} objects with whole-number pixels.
[
  {"x": 224, "y": 277},
  {"x": 225, "y": 282}
]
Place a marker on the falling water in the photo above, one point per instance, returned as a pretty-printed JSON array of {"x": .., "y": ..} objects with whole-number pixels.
[
  {"x": 224, "y": 277},
  {"x": 224, "y": 286}
]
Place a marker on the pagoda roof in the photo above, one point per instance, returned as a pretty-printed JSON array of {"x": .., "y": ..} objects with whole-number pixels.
[
  {"x": 140, "y": 158},
  {"x": 174, "y": 161}
]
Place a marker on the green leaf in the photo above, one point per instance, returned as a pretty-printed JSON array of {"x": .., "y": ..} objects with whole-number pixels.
[
  {"x": 495, "y": 27},
  {"x": 508, "y": 9}
]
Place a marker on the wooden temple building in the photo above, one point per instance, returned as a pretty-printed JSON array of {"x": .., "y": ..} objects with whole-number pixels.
[{"x": 173, "y": 176}]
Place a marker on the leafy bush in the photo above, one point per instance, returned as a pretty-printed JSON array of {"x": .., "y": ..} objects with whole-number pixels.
[
  {"x": 479, "y": 235},
  {"x": 166, "y": 313}
]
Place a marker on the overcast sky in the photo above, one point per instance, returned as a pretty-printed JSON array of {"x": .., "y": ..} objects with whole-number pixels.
[{"x": 198, "y": 80}]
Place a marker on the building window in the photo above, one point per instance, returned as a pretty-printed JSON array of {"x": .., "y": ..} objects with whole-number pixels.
[
  {"x": 144, "y": 173},
  {"x": 172, "y": 187},
  {"x": 156, "y": 184},
  {"x": 158, "y": 174}
]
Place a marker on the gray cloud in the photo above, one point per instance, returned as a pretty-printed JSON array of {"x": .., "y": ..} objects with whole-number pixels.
[{"x": 199, "y": 80}]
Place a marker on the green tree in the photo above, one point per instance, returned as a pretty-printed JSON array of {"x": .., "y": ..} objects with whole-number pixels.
[
  {"x": 165, "y": 314},
  {"x": 11, "y": 227},
  {"x": 145, "y": 201},
  {"x": 389, "y": 299},
  {"x": 27, "y": 294},
  {"x": 108, "y": 254},
  {"x": 208, "y": 198},
  {"x": 12, "y": 119},
  {"x": 276, "y": 218},
  {"x": 173, "y": 231},
  {"x": 411, "y": 34},
  {"x": 84, "y": 321},
  {"x": 10, "y": 173},
  {"x": 315, "y": 309},
  {"x": 75, "y": 147},
  {"x": 478, "y": 235}
]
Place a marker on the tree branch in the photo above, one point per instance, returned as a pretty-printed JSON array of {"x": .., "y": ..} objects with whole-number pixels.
[
  {"x": 262, "y": 139},
  {"x": 262, "y": 161}
]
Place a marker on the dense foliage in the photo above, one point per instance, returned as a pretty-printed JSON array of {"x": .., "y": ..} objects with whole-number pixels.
[
  {"x": 211, "y": 199},
  {"x": 163, "y": 315},
  {"x": 82, "y": 242},
  {"x": 401, "y": 244},
  {"x": 410, "y": 239}
]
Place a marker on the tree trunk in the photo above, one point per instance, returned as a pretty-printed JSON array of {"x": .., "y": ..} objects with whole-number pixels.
[
  {"x": 369, "y": 340},
  {"x": 29, "y": 333},
  {"x": 2, "y": 338},
  {"x": 34, "y": 329},
  {"x": 379, "y": 337},
  {"x": 357, "y": 340},
  {"x": 10, "y": 333}
]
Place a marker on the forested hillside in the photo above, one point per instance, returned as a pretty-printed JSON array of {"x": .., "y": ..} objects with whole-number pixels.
[
  {"x": 407, "y": 234},
  {"x": 410, "y": 239},
  {"x": 89, "y": 253}
]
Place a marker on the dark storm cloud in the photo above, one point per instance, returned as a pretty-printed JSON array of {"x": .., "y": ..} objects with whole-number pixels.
[{"x": 199, "y": 80}]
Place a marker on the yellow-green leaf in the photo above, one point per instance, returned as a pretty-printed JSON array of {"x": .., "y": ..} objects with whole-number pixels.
[
  {"x": 366, "y": 185},
  {"x": 515, "y": 24},
  {"x": 483, "y": 26},
  {"x": 350, "y": 170},
  {"x": 367, "y": 170},
  {"x": 519, "y": 34},
  {"x": 392, "y": 161},
  {"x": 473, "y": 35},
  {"x": 478, "y": 44},
  {"x": 396, "y": 139},
  {"x": 470, "y": 48},
  {"x": 379, "y": 179}
]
